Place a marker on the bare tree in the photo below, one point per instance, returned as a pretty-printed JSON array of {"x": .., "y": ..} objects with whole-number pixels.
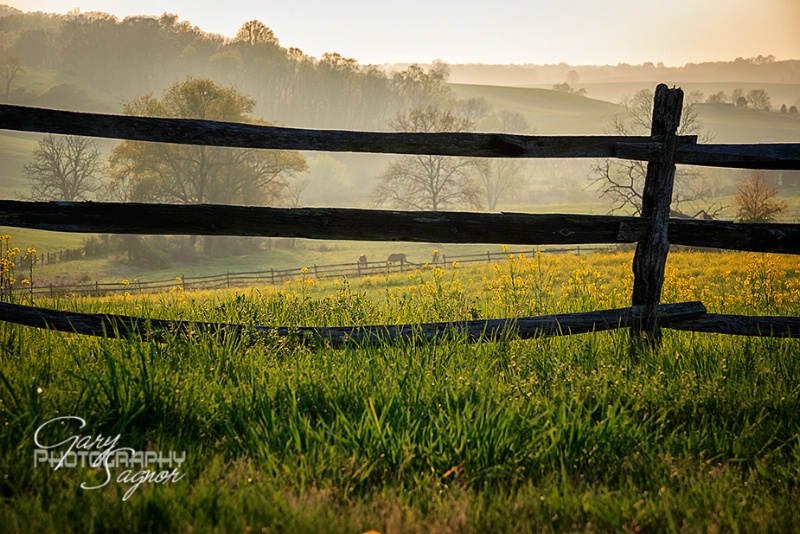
[
  {"x": 474, "y": 109},
  {"x": 10, "y": 67},
  {"x": 755, "y": 199},
  {"x": 65, "y": 168},
  {"x": 759, "y": 99},
  {"x": 426, "y": 182},
  {"x": 622, "y": 181},
  {"x": 498, "y": 176},
  {"x": 295, "y": 191}
]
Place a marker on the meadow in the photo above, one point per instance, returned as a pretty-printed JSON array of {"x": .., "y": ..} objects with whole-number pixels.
[{"x": 543, "y": 435}]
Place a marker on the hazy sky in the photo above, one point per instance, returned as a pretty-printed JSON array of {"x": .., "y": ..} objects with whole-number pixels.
[{"x": 579, "y": 32}]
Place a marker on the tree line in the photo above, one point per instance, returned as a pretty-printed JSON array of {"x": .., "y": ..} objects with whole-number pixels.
[{"x": 143, "y": 54}]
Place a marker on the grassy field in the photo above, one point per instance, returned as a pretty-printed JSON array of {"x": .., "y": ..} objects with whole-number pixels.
[{"x": 561, "y": 434}]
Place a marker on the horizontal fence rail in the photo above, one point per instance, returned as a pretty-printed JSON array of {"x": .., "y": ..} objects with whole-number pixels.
[
  {"x": 766, "y": 156},
  {"x": 741, "y": 325},
  {"x": 124, "y": 326},
  {"x": 785, "y": 156},
  {"x": 228, "y": 134},
  {"x": 386, "y": 225}
]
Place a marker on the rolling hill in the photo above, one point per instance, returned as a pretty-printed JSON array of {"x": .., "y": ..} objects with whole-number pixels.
[{"x": 555, "y": 113}]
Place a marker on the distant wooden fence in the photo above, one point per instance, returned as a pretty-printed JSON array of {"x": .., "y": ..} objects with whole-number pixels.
[
  {"x": 653, "y": 231},
  {"x": 233, "y": 279}
]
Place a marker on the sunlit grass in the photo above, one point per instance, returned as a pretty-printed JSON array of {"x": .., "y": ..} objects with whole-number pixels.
[{"x": 559, "y": 434}]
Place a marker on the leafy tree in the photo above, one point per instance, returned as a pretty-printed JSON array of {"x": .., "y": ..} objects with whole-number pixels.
[
  {"x": 189, "y": 174},
  {"x": 200, "y": 174},
  {"x": 573, "y": 77},
  {"x": 717, "y": 98},
  {"x": 255, "y": 33},
  {"x": 755, "y": 200},
  {"x": 64, "y": 168},
  {"x": 419, "y": 88},
  {"x": 568, "y": 89},
  {"x": 10, "y": 67},
  {"x": 426, "y": 182},
  {"x": 622, "y": 181}
]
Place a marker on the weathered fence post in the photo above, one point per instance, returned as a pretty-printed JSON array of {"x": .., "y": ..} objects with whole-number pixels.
[{"x": 651, "y": 252}]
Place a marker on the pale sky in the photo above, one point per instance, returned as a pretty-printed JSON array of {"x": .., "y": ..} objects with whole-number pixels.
[{"x": 578, "y": 32}]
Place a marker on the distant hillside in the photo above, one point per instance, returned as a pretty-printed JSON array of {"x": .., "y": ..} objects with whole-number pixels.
[
  {"x": 758, "y": 70},
  {"x": 780, "y": 93},
  {"x": 552, "y": 113},
  {"x": 549, "y": 112}
]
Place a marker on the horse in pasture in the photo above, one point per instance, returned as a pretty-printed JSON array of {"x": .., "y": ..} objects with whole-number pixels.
[
  {"x": 397, "y": 258},
  {"x": 362, "y": 261}
]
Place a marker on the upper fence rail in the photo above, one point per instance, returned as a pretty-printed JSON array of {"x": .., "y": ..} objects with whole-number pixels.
[{"x": 783, "y": 156}]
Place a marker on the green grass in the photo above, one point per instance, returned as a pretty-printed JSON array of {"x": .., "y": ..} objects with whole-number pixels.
[{"x": 562, "y": 434}]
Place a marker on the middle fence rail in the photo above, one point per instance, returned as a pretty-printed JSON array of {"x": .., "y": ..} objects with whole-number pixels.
[
  {"x": 653, "y": 232},
  {"x": 387, "y": 225}
]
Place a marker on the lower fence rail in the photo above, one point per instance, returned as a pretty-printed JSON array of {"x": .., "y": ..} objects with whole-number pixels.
[
  {"x": 130, "y": 327},
  {"x": 741, "y": 325}
]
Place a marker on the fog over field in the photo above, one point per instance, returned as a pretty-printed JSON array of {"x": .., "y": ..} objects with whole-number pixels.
[{"x": 99, "y": 62}]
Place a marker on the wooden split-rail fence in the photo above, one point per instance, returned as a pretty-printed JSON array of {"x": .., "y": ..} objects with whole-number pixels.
[{"x": 653, "y": 231}]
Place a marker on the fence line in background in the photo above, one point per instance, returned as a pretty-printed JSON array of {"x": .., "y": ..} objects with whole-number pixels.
[{"x": 233, "y": 279}]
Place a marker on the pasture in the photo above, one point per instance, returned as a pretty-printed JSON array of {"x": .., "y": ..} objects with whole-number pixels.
[{"x": 549, "y": 434}]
